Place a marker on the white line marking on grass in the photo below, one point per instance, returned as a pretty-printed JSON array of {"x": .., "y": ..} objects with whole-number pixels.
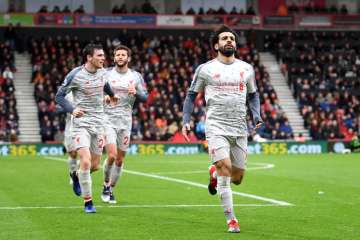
[
  {"x": 261, "y": 166},
  {"x": 139, "y": 206},
  {"x": 281, "y": 203},
  {"x": 265, "y": 199},
  {"x": 180, "y": 172}
]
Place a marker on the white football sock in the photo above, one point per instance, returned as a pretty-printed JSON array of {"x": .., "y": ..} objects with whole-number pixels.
[
  {"x": 226, "y": 198},
  {"x": 107, "y": 171},
  {"x": 85, "y": 184},
  {"x": 72, "y": 164},
  {"x": 115, "y": 174}
]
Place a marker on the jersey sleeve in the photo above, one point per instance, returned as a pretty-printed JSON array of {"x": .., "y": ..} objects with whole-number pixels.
[
  {"x": 68, "y": 85},
  {"x": 141, "y": 86},
  {"x": 251, "y": 85},
  {"x": 199, "y": 80}
]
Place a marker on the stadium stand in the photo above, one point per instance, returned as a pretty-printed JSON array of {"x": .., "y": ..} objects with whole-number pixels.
[
  {"x": 167, "y": 64},
  {"x": 322, "y": 70},
  {"x": 9, "y": 126}
]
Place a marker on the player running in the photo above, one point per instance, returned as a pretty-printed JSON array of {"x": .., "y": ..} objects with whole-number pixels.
[
  {"x": 128, "y": 86},
  {"x": 87, "y": 84},
  {"x": 228, "y": 84}
]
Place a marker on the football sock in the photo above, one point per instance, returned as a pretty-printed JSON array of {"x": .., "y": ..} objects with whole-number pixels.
[
  {"x": 226, "y": 198},
  {"x": 115, "y": 174},
  {"x": 85, "y": 184},
  {"x": 72, "y": 164},
  {"x": 107, "y": 172}
]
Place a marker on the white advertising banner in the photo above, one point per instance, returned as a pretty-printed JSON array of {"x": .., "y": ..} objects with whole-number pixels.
[{"x": 174, "y": 20}]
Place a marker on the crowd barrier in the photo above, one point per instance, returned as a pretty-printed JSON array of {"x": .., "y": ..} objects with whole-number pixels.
[{"x": 153, "y": 148}]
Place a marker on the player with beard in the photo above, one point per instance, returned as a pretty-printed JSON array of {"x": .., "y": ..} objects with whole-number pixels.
[
  {"x": 128, "y": 85},
  {"x": 229, "y": 84}
]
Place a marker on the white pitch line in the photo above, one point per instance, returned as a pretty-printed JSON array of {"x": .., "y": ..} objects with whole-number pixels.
[
  {"x": 265, "y": 199},
  {"x": 262, "y": 166},
  {"x": 281, "y": 203},
  {"x": 137, "y": 206}
]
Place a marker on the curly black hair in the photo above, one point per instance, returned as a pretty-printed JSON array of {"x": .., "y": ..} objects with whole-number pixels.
[{"x": 214, "y": 38}]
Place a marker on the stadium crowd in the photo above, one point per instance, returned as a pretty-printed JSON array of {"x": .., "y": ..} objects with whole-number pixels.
[
  {"x": 323, "y": 69},
  {"x": 167, "y": 64},
  {"x": 9, "y": 125}
]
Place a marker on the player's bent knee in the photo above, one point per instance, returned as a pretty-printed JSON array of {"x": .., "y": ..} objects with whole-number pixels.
[
  {"x": 119, "y": 162},
  {"x": 112, "y": 156},
  {"x": 85, "y": 165}
]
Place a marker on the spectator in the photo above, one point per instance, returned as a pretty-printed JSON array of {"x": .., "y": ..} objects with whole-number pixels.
[
  {"x": 8, "y": 74},
  {"x": 10, "y": 35},
  {"x": 282, "y": 9},
  {"x": 115, "y": 9},
  {"x": 250, "y": 10},
  {"x": 191, "y": 11},
  {"x": 201, "y": 11},
  {"x": 333, "y": 9},
  {"x": 123, "y": 9},
  {"x": 80, "y": 10},
  {"x": 66, "y": 9},
  {"x": 43, "y": 9},
  {"x": 148, "y": 8},
  {"x": 56, "y": 9},
  {"x": 178, "y": 11},
  {"x": 233, "y": 11},
  {"x": 343, "y": 9},
  {"x": 221, "y": 11}
]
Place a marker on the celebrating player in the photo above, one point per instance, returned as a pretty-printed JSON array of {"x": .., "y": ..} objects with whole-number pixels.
[
  {"x": 128, "y": 86},
  {"x": 228, "y": 84},
  {"x": 87, "y": 84}
]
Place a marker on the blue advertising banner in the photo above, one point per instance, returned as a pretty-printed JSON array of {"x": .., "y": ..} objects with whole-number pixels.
[{"x": 115, "y": 20}]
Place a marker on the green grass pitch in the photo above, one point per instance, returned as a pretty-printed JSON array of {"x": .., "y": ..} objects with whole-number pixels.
[{"x": 163, "y": 197}]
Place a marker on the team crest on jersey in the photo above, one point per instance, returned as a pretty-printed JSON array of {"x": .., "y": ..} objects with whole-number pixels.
[
  {"x": 241, "y": 75},
  {"x": 216, "y": 75}
]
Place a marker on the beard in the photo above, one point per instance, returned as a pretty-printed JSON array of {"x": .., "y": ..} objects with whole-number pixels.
[
  {"x": 121, "y": 65},
  {"x": 227, "y": 51}
]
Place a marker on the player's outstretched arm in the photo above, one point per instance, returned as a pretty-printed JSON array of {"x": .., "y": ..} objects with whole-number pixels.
[{"x": 187, "y": 110}]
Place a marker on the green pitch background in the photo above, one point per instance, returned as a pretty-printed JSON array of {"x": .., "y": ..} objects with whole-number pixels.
[{"x": 324, "y": 190}]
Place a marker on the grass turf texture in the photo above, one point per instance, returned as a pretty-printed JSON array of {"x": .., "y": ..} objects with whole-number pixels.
[{"x": 324, "y": 191}]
